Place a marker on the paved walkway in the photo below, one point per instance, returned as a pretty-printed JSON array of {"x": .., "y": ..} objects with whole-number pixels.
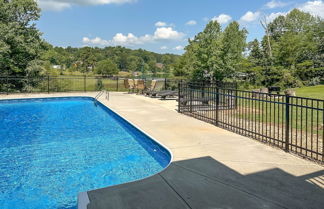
[
  {"x": 189, "y": 138},
  {"x": 212, "y": 167},
  {"x": 279, "y": 178}
]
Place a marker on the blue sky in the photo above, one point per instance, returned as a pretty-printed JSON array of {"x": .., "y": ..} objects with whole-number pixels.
[{"x": 162, "y": 26}]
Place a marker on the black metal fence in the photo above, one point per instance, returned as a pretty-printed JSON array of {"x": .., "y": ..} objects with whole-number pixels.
[
  {"x": 51, "y": 84},
  {"x": 292, "y": 123}
]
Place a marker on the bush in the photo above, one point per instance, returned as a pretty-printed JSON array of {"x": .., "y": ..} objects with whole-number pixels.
[
  {"x": 314, "y": 81},
  {"x": 99, "y": 85}
]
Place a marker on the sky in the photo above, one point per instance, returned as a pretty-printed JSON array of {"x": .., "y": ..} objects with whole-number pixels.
[{"x": 162, "y": 26}]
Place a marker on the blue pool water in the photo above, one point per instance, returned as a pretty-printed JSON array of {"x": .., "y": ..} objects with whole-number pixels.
[{"x": 52, "y": 149}]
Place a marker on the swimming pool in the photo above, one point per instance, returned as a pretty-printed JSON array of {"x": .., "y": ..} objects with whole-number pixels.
[{"x": 53, "y": 148}]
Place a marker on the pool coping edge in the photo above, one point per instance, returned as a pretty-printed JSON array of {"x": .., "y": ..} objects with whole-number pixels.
[{"x": 82, "y": 197}]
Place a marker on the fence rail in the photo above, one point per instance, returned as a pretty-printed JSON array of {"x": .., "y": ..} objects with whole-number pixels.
[
  {"x": 292, "y": 123},
  {"x": 51, "y": 84}
]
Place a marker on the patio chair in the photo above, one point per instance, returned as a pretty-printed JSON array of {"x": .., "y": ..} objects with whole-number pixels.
[
  {"x": 157, "y": 88},
  {"x": 151, "y": 88},
  {"x": 129, "y": 84},
  {"x": 140, "y": 86},
  {"x": 167, "y": 93},
  {"x": 135, "y": 83}
]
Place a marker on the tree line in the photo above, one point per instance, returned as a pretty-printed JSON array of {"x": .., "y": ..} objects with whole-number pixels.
[
  {"x": 108, "y": 60},
  {"x": 23, "y": 52},
  {"x": 290, "y": 54}
]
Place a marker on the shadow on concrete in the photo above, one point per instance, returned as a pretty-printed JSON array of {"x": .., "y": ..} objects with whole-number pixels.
[{"x": 204, "y": 183}]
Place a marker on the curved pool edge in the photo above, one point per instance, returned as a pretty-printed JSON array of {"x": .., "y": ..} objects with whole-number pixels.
[{"x": 83, "y": 198}]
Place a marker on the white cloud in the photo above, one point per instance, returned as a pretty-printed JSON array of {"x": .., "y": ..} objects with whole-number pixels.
[
  {"x": 222, "y": 18},
  {"x": 53, "y": 5},
  {"x": 160, "y": 34},
  {"x": 313, "y": 7},
  {"x": 250, "y": 16},
  {"x": 119, "y": 40},
  {"x": 95, "y": 41},
  {"x": 275, "y": 4},
  {"x": 58, "y": 5},
  {"x": 167, "y": 33},
  {"x": 178, "y": 48},
  {"x": 164, "y": 47},
  {"x": 273, "y": 16},
  {"x": 129, "y": 39},
  {"x": 164, "y": 24},
  {"x": 191, "y": 22},
  {"x": 160, "y": 24}
]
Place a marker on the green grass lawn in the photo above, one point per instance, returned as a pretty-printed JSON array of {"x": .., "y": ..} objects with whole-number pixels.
[
  {"x": 316, "y": 92},
  {"x": 78, "y": 84},
  {"x": 66, "y": 84}
]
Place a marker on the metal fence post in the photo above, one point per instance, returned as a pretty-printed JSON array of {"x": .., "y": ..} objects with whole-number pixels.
[
  {"x": 48, "y": 84},
  {"x": 179, "y": 96},
  {"x": 287, "y": 124},
  {"x": 217, "y": 105},
  {"x": 236, "y": 99},
  {"x": 190, "y": 95},
  {"x": 165, "y": 83},
  {"x": 85, "y": 83},
  {"x": 117, "y": 83},
  {"x": 7, "y": 84}
]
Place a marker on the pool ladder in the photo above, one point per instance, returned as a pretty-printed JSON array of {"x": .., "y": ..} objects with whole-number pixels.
[{"x": 100, "y": 94}]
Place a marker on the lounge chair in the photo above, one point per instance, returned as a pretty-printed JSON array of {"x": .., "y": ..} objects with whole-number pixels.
[
  {"x": 185, "y": 101},
  {"x": 159, "y": 85},
  {"x": 151, "y": 88},
  {"x": 167, "y": 93},
  {"x": 129, "y": 84},
  {"x": 140, "y": 86},
  {"x": 135, "y": 83},
  {"x": 126, "y": 84}
]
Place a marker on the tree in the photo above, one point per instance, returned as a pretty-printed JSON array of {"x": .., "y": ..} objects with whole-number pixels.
[
  {"x": 213, "y": 54},
  {"x": 290, "y": 52},
  {"x": 133, "y": 63},
  {"x": 255, "y": 55},
  {"x": 88, "y": 60},
  {"x": 233, "y": 45},
  {"x": 107, "y": 67},
  {"x": 21, "y": 44},
  {"x": 266, "y": 28},
  {"x": 204, "y": 51}
]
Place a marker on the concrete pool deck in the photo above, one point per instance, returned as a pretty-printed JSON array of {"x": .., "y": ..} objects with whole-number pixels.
[{"x": 214, "y": 155}]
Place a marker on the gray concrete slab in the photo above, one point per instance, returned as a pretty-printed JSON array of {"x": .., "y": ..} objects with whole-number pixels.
[
  {"x": 202, "y": 192},
  {"x": 204, "y": 183},
  {"x": 274, "y": 184},
  {"x": 151, "y": 193}
]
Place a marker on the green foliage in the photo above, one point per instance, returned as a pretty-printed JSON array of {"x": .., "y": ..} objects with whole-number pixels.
[
  {"x": 107, "y": 67},
  {"x": 213, "y": 54},
  {"x": 20, "y": 42},
  {"x": 85, "y": 59},
  {"x": 256, "y": 54},
  {"x": 205, "y": 51},
  {"x": 233, "y": 45},
  {"x": 297, "y": 53},
  {"x": 99, "y": 85}
]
